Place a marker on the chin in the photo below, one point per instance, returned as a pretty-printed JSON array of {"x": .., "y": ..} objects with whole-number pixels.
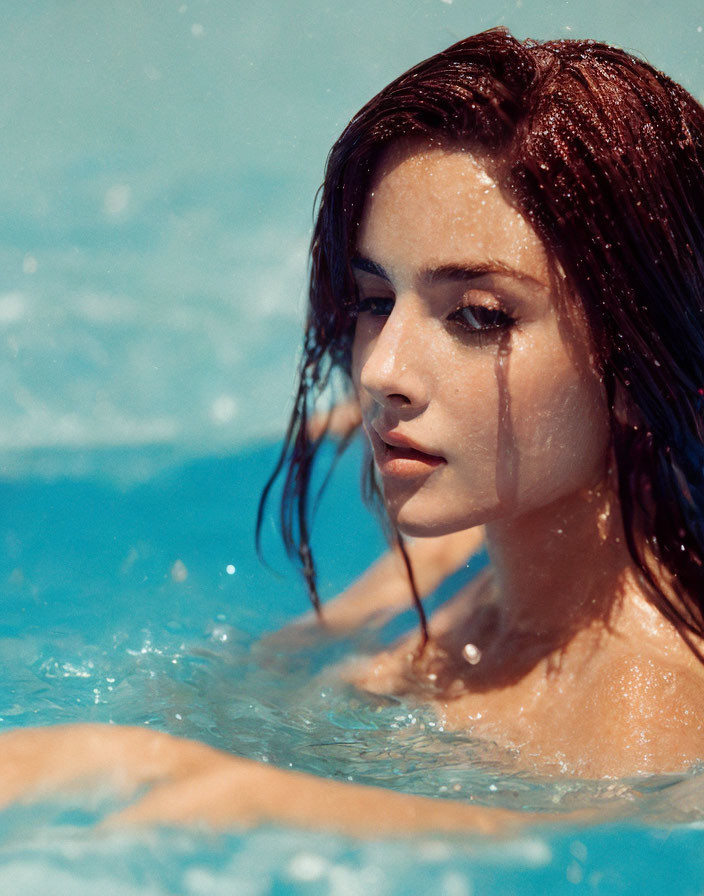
[
  {"x": 414, "y": 527},
  {"x": 427, "y": 519}
]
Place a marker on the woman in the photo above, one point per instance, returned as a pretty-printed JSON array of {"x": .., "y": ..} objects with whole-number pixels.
[{"x": 508, "y": 270}]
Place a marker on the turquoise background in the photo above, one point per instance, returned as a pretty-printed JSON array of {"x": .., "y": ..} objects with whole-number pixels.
[{"x": 159, "y": 163}]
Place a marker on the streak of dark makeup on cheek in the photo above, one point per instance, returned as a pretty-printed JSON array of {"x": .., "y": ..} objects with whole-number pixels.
[{"x": 506, "y": 451}]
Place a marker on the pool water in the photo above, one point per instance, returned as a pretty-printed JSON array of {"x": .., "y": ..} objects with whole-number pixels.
[
  {"x": 159, "y": 166},
  {"x": 145, "y": 604}
]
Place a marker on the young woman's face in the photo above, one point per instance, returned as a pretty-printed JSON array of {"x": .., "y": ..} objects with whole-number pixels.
[{"x": 477, "y": 393}]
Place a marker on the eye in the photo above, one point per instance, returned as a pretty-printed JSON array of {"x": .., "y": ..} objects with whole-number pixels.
[
  {"x": 374, "y": 305},
  {"x": 480, "y": 319}
]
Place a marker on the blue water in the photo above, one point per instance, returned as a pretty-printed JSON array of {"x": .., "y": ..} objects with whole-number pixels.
[
  {"x": 118, "y": 606},
  {"x": 159, "y": 165}
]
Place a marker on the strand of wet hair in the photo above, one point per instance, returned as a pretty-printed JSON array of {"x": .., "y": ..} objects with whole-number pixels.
[{"x": 417, "y": 603}]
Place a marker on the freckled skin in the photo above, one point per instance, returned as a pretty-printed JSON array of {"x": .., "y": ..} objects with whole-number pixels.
[
  {"x": 518, "y": 431},
  {"x": 578, "y": 671}
]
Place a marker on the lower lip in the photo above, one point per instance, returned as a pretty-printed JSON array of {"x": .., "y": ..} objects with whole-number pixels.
[{"x": 406, "y": 462}]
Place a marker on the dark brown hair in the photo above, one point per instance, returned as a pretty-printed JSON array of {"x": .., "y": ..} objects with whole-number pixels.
[{"x": 604, "y": 156}]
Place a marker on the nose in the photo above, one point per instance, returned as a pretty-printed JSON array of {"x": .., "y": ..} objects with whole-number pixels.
[{"x": 389, "y": 352}]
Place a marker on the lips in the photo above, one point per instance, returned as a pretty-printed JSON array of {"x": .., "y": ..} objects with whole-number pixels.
[{"x": 397, "y": 455}]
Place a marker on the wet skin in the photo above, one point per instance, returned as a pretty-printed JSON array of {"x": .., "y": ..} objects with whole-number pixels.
[
  {"x": 460, "y": 351},
  {"x": 473, "y": 370},
  {"x": 477, "y": 391}
]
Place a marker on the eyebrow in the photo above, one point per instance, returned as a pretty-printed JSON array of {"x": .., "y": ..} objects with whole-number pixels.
[
  {"x": 448, "y": 272},
  {"x": 368, "y": 266}
]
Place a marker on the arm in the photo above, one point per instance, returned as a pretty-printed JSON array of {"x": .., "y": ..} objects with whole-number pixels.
[
  {"x": 383, "y": 589},
  {"x": 190, "y": 782}
]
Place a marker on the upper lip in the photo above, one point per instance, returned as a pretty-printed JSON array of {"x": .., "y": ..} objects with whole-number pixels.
[{"x": 399, "y": 440}]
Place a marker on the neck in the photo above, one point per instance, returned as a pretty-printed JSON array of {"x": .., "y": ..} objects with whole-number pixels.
[{"x": 561, "y": 568}]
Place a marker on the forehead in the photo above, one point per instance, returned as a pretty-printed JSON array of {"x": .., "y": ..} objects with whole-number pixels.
[{"x": 430, "y": 206}]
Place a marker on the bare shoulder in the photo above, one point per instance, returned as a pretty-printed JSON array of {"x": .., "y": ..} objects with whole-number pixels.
[
  {"x": 647, "y": 710},
  {"x": 391, "y": 671}
]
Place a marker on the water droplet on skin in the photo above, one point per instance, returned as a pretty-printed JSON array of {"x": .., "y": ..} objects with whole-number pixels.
[{"x": 472, "y": 654}]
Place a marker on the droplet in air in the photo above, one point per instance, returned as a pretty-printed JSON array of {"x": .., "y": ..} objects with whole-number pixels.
[
  {"x": 117, "y": 199},
  {"x": 230, "y": 569},
  {"x": 223, "y": 409},
  {"x": 179, "y": 573},
  {"x": 307, "y": 867}
]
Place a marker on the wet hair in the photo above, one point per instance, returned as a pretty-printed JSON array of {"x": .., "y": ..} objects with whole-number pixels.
[{"x": 604, "y": 155}]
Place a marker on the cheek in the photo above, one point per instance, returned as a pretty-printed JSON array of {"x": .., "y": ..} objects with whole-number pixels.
[
  {"x": 474, "y": 402},
  {"x": 360, "y": 351},
  {"x": 562, "y": 426}
]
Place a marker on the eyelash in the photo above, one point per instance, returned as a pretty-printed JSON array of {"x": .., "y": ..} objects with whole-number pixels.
[
  {"x": 490, "y": 321},
  {"x": 374, "y": 305}
]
